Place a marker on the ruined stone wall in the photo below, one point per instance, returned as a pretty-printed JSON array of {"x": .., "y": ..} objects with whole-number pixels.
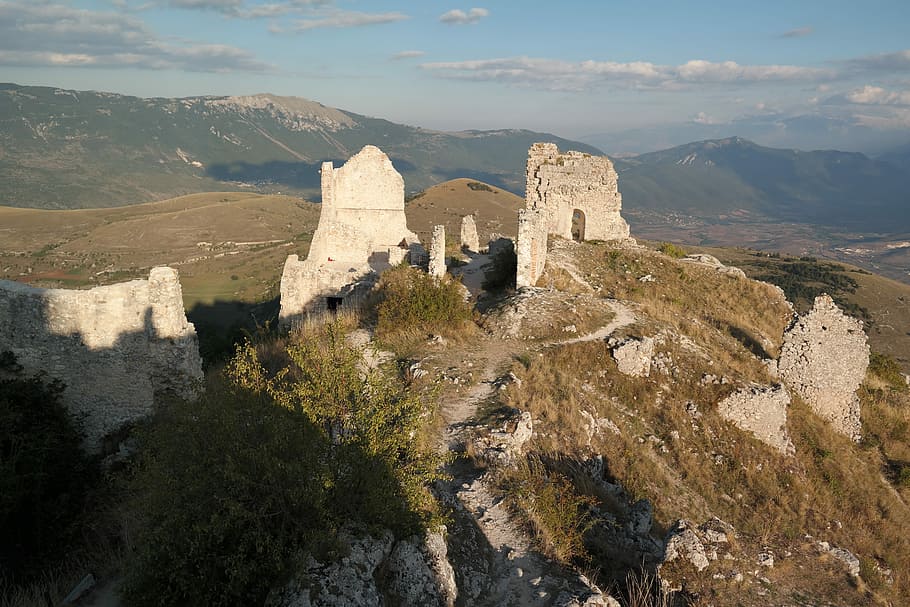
[
  {"x": 761, "y": 410},
  {"x": 361, "y": 229},
  {"x": 362, "y": 209},
  {"x": 469, "y": 239},
  {"x": 115, "y": 347},
  {"x": 563, "y": 183},
  {"x": 559, "y": 185},
  {"x": 437, "y": 265},
  {"x": 824, "y": 359}
]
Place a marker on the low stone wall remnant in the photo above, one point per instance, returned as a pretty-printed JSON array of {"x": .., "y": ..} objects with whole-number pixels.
[
  {"x": 116, "y": 347},
  {"x": 824, "y": 359}
]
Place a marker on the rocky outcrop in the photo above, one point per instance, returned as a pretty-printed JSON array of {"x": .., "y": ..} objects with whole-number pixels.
[
  {"x": 633, "y": 356},
  {"x": 703, "y": 259},
  {"x": 824, "y": 359},
  {"x": 116, "y": 347},
  {"x": 507, "y": 441},
  {"x": 375, "y": 571},
  {"x": 469, "y": 239},
  {"x": 438, "y": 252},
  {"x": 761, "y": 410}
]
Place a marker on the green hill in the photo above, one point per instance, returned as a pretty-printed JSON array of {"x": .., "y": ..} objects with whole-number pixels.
[{"x": 63, "y": 149}]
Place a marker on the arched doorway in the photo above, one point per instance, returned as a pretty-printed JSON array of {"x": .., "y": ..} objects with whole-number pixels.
[{"x": 578, "y": 225}]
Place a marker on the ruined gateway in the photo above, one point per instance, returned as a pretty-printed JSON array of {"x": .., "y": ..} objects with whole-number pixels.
[
  {"x": 116, "y": 347},
  {"x": 362, "y": 230},
  {"x": 572, "y": 195}
]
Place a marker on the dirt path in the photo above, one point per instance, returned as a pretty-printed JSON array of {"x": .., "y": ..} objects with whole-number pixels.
[{"x": 495, "y": 560}]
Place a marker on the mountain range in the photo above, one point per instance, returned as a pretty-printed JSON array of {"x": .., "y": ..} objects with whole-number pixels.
[
  {"x": 75, "y": 149},
  {"x": 72, "y": 149}
]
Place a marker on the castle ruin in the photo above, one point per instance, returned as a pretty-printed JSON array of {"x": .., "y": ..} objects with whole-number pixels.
[
  {"x": 573, "y": 195},
  {"x": 824, "y": 359},
  {"x": 116, "y": 347},
  {"x": 362, "y": 230}
]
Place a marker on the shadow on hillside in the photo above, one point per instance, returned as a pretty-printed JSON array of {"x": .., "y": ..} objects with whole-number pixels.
[
  {"x": 300, "y": 175},
  {"x": 222, "y": 324}
]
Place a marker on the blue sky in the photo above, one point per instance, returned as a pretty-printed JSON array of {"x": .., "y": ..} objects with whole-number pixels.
[{"x": 569, "y": 67}]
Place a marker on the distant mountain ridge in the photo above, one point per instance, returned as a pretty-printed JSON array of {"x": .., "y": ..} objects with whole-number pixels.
[
  {"x": 733, "y": 175},
  {"x": 70, "y": 149}
]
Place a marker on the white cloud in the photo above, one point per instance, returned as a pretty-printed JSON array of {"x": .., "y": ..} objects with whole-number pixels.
[
  {"x": 42, "y": 34},
  {"x": 340, "y": 19},
  {"x": 457, "y": 16},
  {"x": 799, "y": 32},
  {"x": 702, "y": 118},
  {"x": 875, "y": 95},
  {"x": 224, "y": 6},
  {"x": 408, "y": 55},
  {"x": 555, "y": 74}
]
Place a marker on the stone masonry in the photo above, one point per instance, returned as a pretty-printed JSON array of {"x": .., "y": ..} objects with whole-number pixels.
[
  {"x": 362, "y": 230},
  {"x": 761, "y": 410},
  {"x": 824, "y": 359},
  {"x": 572, "y": 195},
  {"x": 438, "y": 252},
  {"x": 115, "y": 347},
  {"x": 469, "y": 239}
]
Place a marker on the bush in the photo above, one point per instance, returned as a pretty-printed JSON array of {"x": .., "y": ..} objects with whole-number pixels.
[
  {"x": 45, "y": 476},
  {"x": 500, "y": 273},
  {"x": 411, "y": 299},
  {"x": 478, "y": 186},
  {"x": 668, "y": 248},
  {"x": 266, "y": 467},
  {"x": 888, "y": 370}
]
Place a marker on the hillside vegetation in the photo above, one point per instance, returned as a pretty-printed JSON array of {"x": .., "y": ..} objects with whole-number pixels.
[{"x": 67, "y": 149}]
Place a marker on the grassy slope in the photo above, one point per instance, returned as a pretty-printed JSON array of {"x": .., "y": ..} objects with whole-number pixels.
[
  {"x": 227, "y": 246},
  {"x": 696, "y": 467},
  {"x": 446, "y": 203}
]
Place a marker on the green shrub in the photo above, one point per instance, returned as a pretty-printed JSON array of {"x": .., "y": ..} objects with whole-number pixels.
[
  {"x": 478, "y": 186},
  {"x": 45, "y": 477},
  {"x": 886, "y": 368},
  {"x": 264, "y": 469},
  {"x": 668, "y": 248},
  {"x": 500, "y": 272},
  {"x": 413, "y": 300}
]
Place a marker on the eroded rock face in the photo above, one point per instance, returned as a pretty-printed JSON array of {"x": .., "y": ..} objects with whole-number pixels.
[
  {"x": 824, "y": 360},
  {"x": 419, "y": 572},
  {"x": 375, "y": 571},
  {"x": 761, "y": 410},
  {"x": 115, "y": 347}
]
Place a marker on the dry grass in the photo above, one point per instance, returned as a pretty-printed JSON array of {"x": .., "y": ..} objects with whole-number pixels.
[
  {"x": 692, "y": 464},
  {"x": 446, "y": 203}
]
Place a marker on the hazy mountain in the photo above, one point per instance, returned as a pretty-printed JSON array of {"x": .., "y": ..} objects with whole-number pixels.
[
  {"x": 899, "y": 156},
  {"x": 68, "y": 149},
  {"x": 735, "y": 176},
  {"x": 805, "y": 132}
]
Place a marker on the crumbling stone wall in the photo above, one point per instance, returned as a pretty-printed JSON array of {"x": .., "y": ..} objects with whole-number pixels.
[
  {"x": 561, "y": 186},
  {"x": 761, "y": 410},
  {"x": 824, "y": 359},
  {"x": 115, "y": 347},
  {"x": 362, "y": 230},
  {"x": 469, "y": 238},
  {"x": 437, "y": 266}
]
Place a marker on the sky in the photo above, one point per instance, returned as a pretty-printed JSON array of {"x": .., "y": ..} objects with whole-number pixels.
[{"x": 570, "y": 67}]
